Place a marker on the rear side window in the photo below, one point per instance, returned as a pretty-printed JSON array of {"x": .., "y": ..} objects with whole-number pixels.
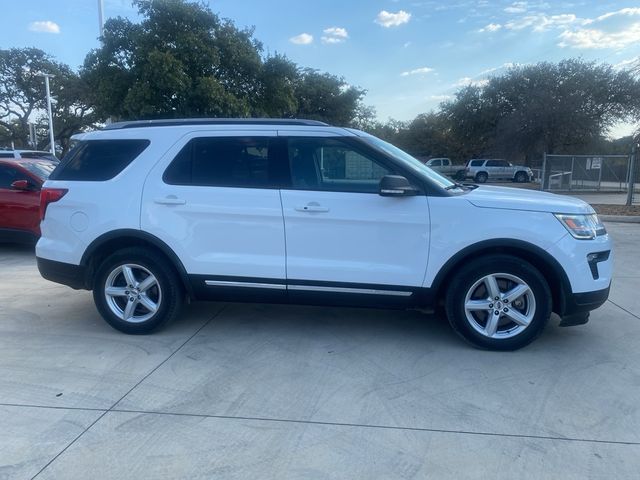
[
  {"x": 244, "y": 162},
  {"x": 98, "y": 160},
  {"x": 496, "y": 163}
]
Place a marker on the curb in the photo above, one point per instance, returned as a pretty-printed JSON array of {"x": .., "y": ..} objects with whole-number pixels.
[{"x": 620, "y": 218}]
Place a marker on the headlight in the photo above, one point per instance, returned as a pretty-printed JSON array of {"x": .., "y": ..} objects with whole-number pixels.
[{"x": 582, "y": 227}]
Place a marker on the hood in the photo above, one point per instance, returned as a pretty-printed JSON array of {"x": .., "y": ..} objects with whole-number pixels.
[{"x": 530, "y": 200}]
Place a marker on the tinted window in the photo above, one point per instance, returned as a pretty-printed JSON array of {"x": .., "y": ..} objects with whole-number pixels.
[
  {"x": 495, "y": 163},
  {"x": 8, "y": 175},
  {"x": 477, "y": 163},
  {"x": 436, "y": 163},
  {"x": 6, "y": 155},
  {"x": 330, "y": 164},
  {"x": 228, "y": 162},
  {"x": 98, "y": 160}
]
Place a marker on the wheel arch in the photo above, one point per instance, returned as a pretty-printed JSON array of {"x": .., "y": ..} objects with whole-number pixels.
[
  {"x": 115, "y": 240},
  {"x": 515, "y": 174},
  {"x": 548, "y": 266}
]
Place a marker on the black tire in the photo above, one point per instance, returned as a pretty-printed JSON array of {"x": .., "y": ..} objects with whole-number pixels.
[
  {"x": 481, "y": 177},
  {"x": 166, "y": 291},
  {"x": 509, "y": 335},
  {"x": 521, "y": 177},
  {"x": 460, "y": 175}
]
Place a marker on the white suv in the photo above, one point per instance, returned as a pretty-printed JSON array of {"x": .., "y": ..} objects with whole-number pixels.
[{"x": 147, "y": 214}]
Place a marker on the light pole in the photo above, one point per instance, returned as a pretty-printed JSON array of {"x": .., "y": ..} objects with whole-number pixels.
[
  {"x": 46, "y": 84},
  {"x": 101, "y": 17}
]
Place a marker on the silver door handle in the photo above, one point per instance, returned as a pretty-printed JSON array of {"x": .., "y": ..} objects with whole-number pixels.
[
  {"x": 169, "y": 200},
  {"x": 312, "y": 208}
]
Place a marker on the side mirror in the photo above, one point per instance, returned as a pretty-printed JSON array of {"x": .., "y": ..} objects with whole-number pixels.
[
  {"x": 396, "y": 186},
  {"x": 22, "y": 185}
]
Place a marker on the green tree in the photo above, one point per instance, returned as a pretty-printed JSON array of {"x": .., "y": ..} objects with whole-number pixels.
[
  {"x": 547, "y": 107},
  {"x": 326, "y": 97},
  {"x": 277, "y": 94},
  {"x": 180, "y": 60},
  {"x": 471, "y": 119},
  {"x": 23, "y": 98}
]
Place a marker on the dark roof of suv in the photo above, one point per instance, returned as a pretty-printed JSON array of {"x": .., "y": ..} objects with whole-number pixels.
[{"x": 213, "y": 121}]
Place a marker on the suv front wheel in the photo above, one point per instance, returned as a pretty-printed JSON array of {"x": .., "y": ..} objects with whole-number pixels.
[
  {"x": 498, "y": 302},
  {"x": 521, "y": 177},
  {"x": 136, "y": 291}
]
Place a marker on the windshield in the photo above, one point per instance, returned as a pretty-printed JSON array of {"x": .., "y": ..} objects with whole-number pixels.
[
  {"x": 40, "y": 169},
  {"x": 413, "y": 163}
]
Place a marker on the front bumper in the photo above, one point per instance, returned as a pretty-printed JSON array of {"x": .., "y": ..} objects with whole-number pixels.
[
  {"x": 578, "y": 305},
  {"x": 585, "y": 302}
]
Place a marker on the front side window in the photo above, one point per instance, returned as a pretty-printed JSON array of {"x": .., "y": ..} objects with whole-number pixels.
[
  {"x": 249, "y": 162},
  {"x": 331, "y": 164},
  {"x": 477, "y": 163}
]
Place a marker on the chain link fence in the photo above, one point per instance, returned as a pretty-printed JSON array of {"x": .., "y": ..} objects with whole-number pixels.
[{"x": 588, "y": 173}]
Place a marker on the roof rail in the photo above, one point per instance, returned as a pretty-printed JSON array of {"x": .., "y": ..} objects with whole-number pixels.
[{"x": 213, "y": 121}]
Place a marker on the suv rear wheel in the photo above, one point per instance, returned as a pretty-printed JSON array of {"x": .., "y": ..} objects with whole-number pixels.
[
  {"x": 136, "y": 291},
  {"x": 481, "y": 177},
  {"x": 498, "y": 302}
]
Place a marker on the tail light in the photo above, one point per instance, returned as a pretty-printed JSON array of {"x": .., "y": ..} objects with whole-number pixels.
[{"x": 50, "y": 195}]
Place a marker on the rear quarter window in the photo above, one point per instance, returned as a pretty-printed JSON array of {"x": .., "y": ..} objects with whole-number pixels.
[{"x": 98, "y": 160}]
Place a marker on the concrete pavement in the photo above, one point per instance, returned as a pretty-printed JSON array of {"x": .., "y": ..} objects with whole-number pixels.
[{"x": 265, "y": 391}]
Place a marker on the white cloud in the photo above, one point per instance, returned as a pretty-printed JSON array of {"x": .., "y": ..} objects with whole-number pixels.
[
  {"x": 468, "y": 81},
  {"x": 439, "y": 98},
  {"x": 388, "y": 19},
  {"x": 492, "y": 27},
  {"x": 302, "y": 39},
  {"x": 46, "y": 26},
  {"x": 629, "y": 62},
  {"x": 624, "y": 11},
  {"x": 334, "y": 35},
  {"x": 504, "y": 66},
  {"x": 541, "y": 22},
  {"x": 587, "y": 38},
  {"x": 616, "y": 30},
  {"x": 517, "y": 7},
  {"x": 417, "y": 71},
  {"x": 407, "y": 44}
]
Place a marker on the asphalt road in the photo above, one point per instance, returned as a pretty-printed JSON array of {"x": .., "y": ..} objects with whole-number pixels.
[{"x": 284, "y": 392}]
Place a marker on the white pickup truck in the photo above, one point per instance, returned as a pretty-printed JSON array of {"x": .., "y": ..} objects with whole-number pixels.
[{"x": 444, "y": 167}]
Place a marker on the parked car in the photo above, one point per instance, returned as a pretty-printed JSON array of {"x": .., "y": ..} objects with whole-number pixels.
[
  {"x": 148, "y": 213},
  {"x": 6, "y": 154},
  {"x": 481, "y": 170},
  {"x": 20, "y": 182},
  {"x": 444, "y": 167}
]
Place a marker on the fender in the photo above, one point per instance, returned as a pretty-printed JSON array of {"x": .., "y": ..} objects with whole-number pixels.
[
  {"x": 143, "y": 237},
  {"x": 541, "y": 259}
]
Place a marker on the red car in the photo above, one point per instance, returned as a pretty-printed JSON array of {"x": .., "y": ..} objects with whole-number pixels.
[{"x": 20, "y": 183}]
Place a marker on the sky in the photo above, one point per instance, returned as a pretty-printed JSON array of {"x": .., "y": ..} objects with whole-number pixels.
[{"x": 409, "y": 55}]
